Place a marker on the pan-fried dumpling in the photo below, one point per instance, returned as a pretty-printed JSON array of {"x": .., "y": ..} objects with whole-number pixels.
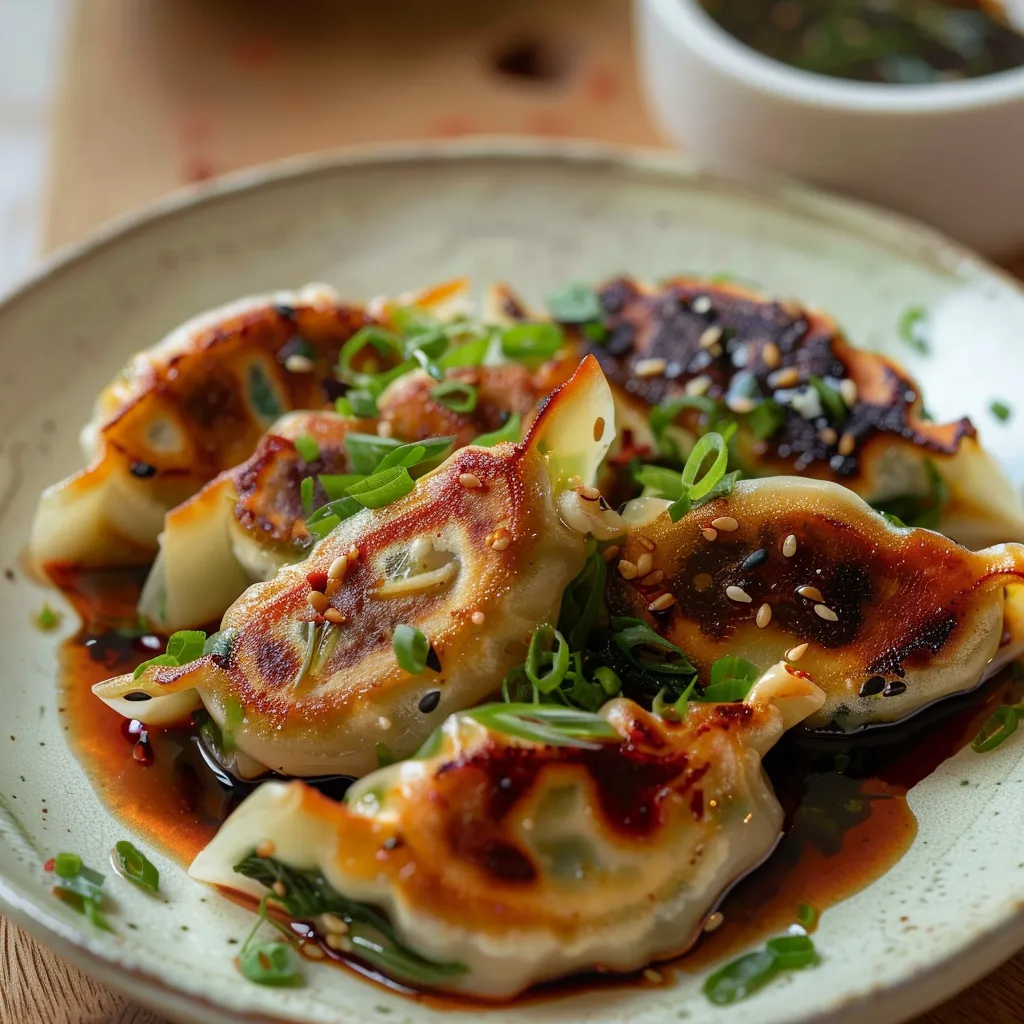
[
  {"x": 245, "y": 524},
  {"x": 475, "y": 557},
  {"x": 806, "y": 400},
  {"x": 528, "y": 842},
  {"x": 193, "y": 406},
  {"x": 886, "y": 618}
]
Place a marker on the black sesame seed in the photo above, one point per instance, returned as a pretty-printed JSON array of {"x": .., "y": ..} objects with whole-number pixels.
[
  {"x": 429, "y": 701},
  {"x": 284, "y": 311},
  {"x": 755, "y": 558},
  {"x": 142, "y": 469},
  {"x": 137, "y": 695},
  {"x": 872, "y": 686},
  {"x": 893, "y": 688},
  {"x": 433, "y": 661}
]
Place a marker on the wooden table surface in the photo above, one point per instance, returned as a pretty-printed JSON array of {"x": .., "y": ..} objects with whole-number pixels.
[{"x": 167, "y": 92}]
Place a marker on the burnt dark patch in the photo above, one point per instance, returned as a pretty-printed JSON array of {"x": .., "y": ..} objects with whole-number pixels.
[
  {"x": 928, "y": 639},
  {"x": 532, "y": 59}
]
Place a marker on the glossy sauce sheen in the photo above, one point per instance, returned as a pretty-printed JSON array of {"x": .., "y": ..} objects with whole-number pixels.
[{"x": 847, "y": 819}]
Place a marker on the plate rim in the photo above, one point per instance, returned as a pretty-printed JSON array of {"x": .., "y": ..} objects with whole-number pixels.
[{"x": 920, "y": 990}]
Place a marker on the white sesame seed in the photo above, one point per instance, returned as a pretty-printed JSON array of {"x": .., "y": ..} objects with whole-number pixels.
[
  {"x": 725, "y": 523},
  {"x": 477, "y": 618},
  {"x": 644, "y": 564},
  {"x": 784, "y": 378},
  {"x": 338, "y": 568},
  {"x": 353, "y": 554},
  {"x": 796, "y": 653},
  {"x": 627, "y": 570},
  {"x": 280, "y": 889},
  {"x": 709, "y": 534},
  {"x": 741, "y": 405},
  {"x": 846, "y": 444},
  {"x": 645, "y": 542},
  {"x": 501, "y": 543},
  {"x": 588, "y": 493},
  {"x": 649, "y": 367},
  {"x": 384, "y": 429},
  {"x": 317, "y": 601},
  {"x": 848, "y": 392},
  {"x": 714, "y": 922},
  {"x": 712, "y": 336},
  {"x": 333, "y": 615},
  {"x": 652, "y": 579},
  {"x": 653, "y": 976},
  {"x": 698, "y": 385},
  {"x": 298, "y": 363},
  {"x": 266, "y": 849},
  {"x": 339, "y": 943},
  {"x": 789, "y": 546},
  {"x": 811, "y": 593},
  {"x": 469, "y": 480},
  {"x": 827, "y": 436},
  {"x": 764, "y": 616},
  {"x": 701, "y": 304},
  {"x": 312, "y": 950},
  {"x": 824, "y": 612},
  {"x": 610, "y": 553},
  {"x": 660, "y": 604},
  {"x": 738, "y": 594},
  {"x": 770, "y": 355},
  {"x": 333, "y": 923}
]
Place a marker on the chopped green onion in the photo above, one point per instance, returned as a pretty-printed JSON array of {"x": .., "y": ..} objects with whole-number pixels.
[
  {"x": 674, "y": 711},
  {"x": 546, "y": 724},
  {"x": 219, "y": 644},
  {"x": 455, "y": 395},
  {"x": 411, "y": 648},
  {"x": 1000, "y": 725},
  {"x": 633, "y": 637},
  {"x": 742, "y": 977},
  {"x": 531, "y": 341},
  {"x": 807, "y": 916},
  {"x": 80, "y": 888},
  {"x": 384, "y": 342},
  {"x": 261, "y": 392},
  {"x": 136, "y": 866},
  {"x": 595, "y": 332},
  {"x": 308, "y": 449},
  {"x": 343, "y": 407},
  {"x": 336, "y": 485},
  {"x": 473, "y": 353},
  {"x": 1000, "y": 410},
  {"x": 416, "y": 453},
  {"x": 913, "y": 328},
  {"x": 306, "y": 495},
  {"x": 658, "y": 482},
  {"x": 47, "y": 619},
  {"x": 67, "y": 865},
  {"x": 383, "y": 488},
  {"x": 694, "y": 486},
  {"x": 766, "y": 419},
  {"x": 581, "y": 602},
  {"x": 183, "y": 647},
  {"x": 547, "y": 659},
  {"x": 574, "y": 303},
  {"x": 365, "y": 451},
  {"x": 361, "y": 403},
  {"x": 328, "y": 516},
  {"x": 270, "y": 963},
  {"x": 731, "y": 680},
  {"x": 831, "y": 400},
  {"x": 511, "y": 431},
  {"x": 385, "y": 755},
  {"x": 607, "y": 679},
  {"x": 793, "y": 952}
]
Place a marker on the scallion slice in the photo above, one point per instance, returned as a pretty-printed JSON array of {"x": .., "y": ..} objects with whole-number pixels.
[
  {"x": 574, "y": 303},
  {"x": 411, "y": 648},
  {"x": 531, "y": 341},
  {"x": 365, "y": 451},
  {"x": 135, "y": 866},
  {"x": 547, "y": 659},
  {"x": 511, "y": 431},
  {"x": 456, "y": 395},
  {"x": 381, "y": 489},
  {"x": 308, "y": 449}
]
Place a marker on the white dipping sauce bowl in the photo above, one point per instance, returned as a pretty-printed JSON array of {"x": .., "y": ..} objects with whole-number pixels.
[{"x": 950, "y": 154}]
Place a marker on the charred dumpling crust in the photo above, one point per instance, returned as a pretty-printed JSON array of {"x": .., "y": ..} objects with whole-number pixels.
[
  {"x": 885, "y": 618},
  {"x": 527, "y": 861},
  {"x": 191, "y": 407},
  {"x": 244, "y": 524},
  {"x": 476, "y": 557}
]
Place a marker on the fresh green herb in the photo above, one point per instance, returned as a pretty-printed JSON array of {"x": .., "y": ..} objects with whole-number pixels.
[
  {"x": 913, "y": 329},
  {"x": 806, "y": 916},
  {"x": 742, "y": 977},
  {"x": 893, "y": 520},
  {"x": 365, "y": 451},
  {"x": 644, "y": 649},
  {"x": 581, "y": 602},
  {"x": 673, "y": 711},
  {"x": 416, "y": 453},
  {"x": 473, "y": 353},
  {"x": 385, "y": 755},
  {"x": 261, "y": 392},
  {"x": 723, "y": 488},
  {"x": 595, "y": 332},
  {"x": 383, "y": 342},
  {"x": 183, "y": 647},
  {"x": 831, "y": 400},
  {"x": 455, "y": 395},
  {"x": 411, "y": 648},
  {"x": 731, "y": 680},
  {"x": 663, "y": 416},
  {"x": 766, "y": 419},
  {"x": 308, "y": 895},
  {"x": 80, "y": 888},
  {"x": 336, "y": 485},
  {"x": 308, "y": 449},
  {"x": 47, "y": 619},
  {"x": 574, "y": 303},
  {"x": 306, "y": 495},
  {"x": 531, "y": 341},
  {"x": 511, "y": 431},
  {"x": 219, "y": 644},
  {"x": 1000, "y": 410},
  {"x": 608, "y": 680},
  {"x": 547, "y": 659},
  {"x": 136, "y": 866},
  {"x": 546, "y": 724},
  {"x": 382, "y": 488},
  {"x": 658, "y": 482},
  {"x": 358, "y": 402},
  {"x": 268, "y": 963},
  {"x": 328, "y": 516},
  {"x": 999, "y": 726},
  {"x": 694, "y": 486}
]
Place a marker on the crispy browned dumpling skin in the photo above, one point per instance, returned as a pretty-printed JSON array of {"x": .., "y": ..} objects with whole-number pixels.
[{"x": 893, "y": 618}]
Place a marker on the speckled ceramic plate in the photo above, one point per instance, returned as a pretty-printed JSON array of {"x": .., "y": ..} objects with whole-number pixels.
[{"x": 383, "y": 222}]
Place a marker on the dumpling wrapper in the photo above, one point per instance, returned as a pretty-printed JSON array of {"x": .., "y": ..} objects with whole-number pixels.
[
  {"x": 526, "y": 862},
  {"x": 306, "y": 696},
  {"x": 243, "y": 525},
  {"x": 193, "y": 406},
  {"x": 714, "y": 339},
  {"x": 895, "y": 619}
]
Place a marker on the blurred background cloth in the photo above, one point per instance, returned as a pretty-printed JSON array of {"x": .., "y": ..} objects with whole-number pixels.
[{"x": 108, "y": 104}]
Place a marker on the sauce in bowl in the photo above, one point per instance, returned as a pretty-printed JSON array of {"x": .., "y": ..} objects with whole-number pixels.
[{"x": 892, "y": 42}]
